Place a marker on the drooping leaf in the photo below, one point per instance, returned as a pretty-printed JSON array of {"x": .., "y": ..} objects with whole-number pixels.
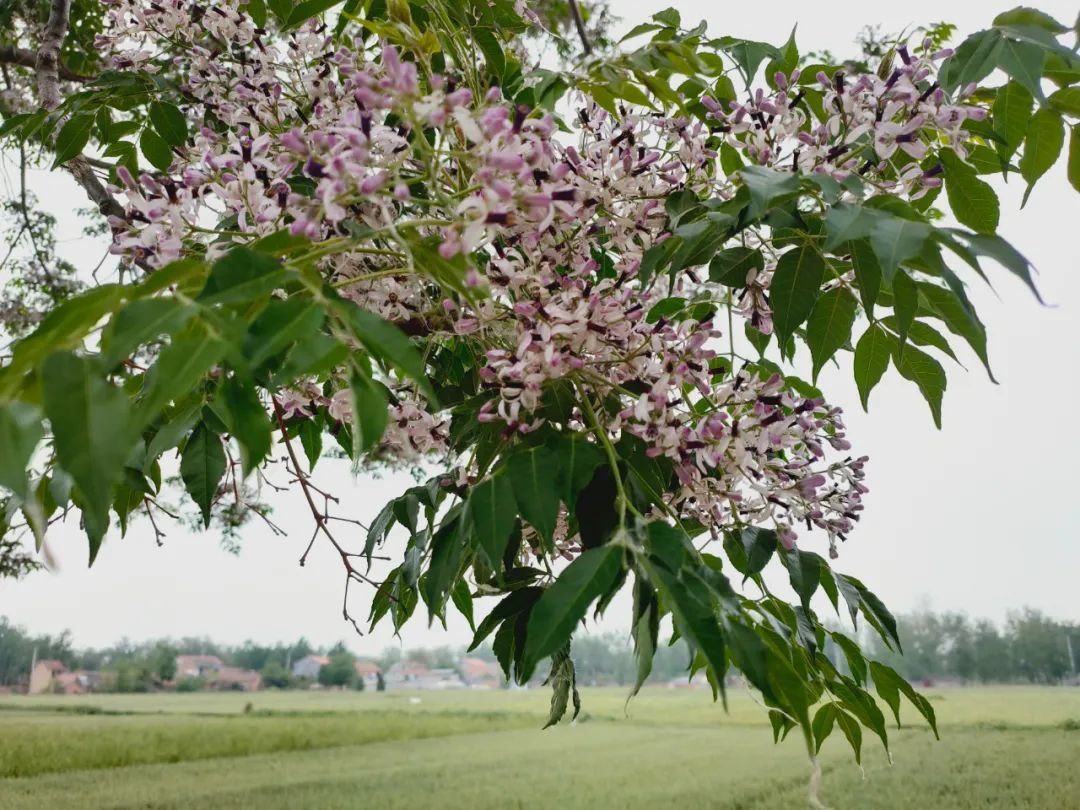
[
  {"x": 370, "y": 412},
  {"x": 493, "y": 510},
  {"x": 92, "y": 433},
  {"x": 533, "y": 473},
  {"x": 248, "y": 422},
  {"x": 972, "y": 201},
  {"x": 1045, "y": 137},
  {"x": 872, "y": 354},
  {"x": 20, "y": 432},
  {"x": 202, "y": 466},
  {"x": 566, "y": 601},
  {"x": 73, "y": 137},
  {"x": 169, "y": 122},
  {"x": 927, "y": 373},
  {"x": 795, "y": 286},
  {"x": 896, "y": 240},
  {"x": 1012, "y": 112},
  {"x": 829, "y": 327},
  {"x": 156, "y": 150}
]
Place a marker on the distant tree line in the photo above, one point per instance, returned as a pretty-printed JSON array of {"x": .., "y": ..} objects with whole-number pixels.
[{"x": 1029, "y": 647}]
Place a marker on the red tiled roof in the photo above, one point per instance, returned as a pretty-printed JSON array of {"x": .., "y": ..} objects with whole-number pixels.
[
  {"x": 53, "y": 665},
  {"x": 366, "y": 668}
]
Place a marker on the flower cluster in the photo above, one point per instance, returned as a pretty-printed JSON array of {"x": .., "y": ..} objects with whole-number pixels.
[
  {"x": 872, "y": 124},
  {"x": 549, "y": 232}
]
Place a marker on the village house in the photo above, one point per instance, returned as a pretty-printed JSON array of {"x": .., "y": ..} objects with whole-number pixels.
[
  {"x": 309, "y": 666},
  {"x": 51, "y": 676},
  {"x": 415, "y": 675},
  {"x": 216, "y": 674},
  {"x": 367, "y": 672},
  {"x": 480, "y": 674}
]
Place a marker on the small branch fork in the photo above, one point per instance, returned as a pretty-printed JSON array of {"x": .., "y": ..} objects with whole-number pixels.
[
  {"x": 322, "y": 519},
  {"x": 49, "y": 71}
]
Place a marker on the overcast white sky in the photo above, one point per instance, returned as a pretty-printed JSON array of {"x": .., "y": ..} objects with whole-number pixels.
[{"x": 981, "y": 517}]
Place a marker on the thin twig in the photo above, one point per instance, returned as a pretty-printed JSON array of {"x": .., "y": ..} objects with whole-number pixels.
[{"x": 579, "y": 23}]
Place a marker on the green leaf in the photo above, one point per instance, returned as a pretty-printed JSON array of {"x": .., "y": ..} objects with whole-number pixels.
[
  {"x": 370, "y": 412},
  {"x": 463, "y": 601},
  {"x": 922, "y": 334},
  {"x": 757, "y": 546},
  {"x": 169, "y": 122},
  {"x": 579, "y": 459},
  {"x": 804, "y": 572},
  {"x": 847, "y": 223},
  {"x": 972, "y": 201},
  {"x": 279, "y": 325},
  {"x": 202, "y": 466},
  {"x": 1073, "y": 169},
  {"x": 248, "y": 422},
  {"x": 304, "y": 11},
  {"x": 1045, "y": 137},
  {"x": 732, "y": 266},
  {"x": 447, "y": 550},
  {"x": 494, "y": 57},
  {"x": 179, "y": 368},
  {"x": 140, "y": 322},
  {"x": 823, "y": 724},
  {"x": 515, "y": 603},
  {"x": 890, "y": 684},
  {"x": 92, "y": 433},
  {"x": 896, "y": 240},
  {"x": 905, "y": 302},
  {"x": 1012, "y": 113},
  {"x": 240, "y": 276},
  {"x": 566, "y": 601},
  {"x": 766, "y": 186},
  {"x": 872, "y": 354},
  {"x": 73, "y": 138},
  {"x": 494, "y": 512},
  {"x": 973, "y": 61},
  {"x": 959, "y": 320},
  {"x": 1031, "y": 17},
  {"x": 867, "y": 272},
  {"x": 20, "y": 432},
  {"x": 1066, "y": 101},
  {"x": 994, "y": 247},
  {"x": 927, "y": 373},
  {"x": 829, "y": 326},
  {"x": 645, "y": 630},
  {"x": 853, "y": 731},
  {"x": 156, "y": 150},
  {"x": 533, "y": 473},
  {"x": 795, "y": 287},
  {"x": 310, "y": 432},
  {"x": 1023, "y": 61}
]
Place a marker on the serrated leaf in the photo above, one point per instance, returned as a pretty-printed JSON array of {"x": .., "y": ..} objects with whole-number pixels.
[
  {"x": 896, "y": 240},
  {"x": 872, "y": 354},
  {"x": 248, "y": 422},
  {"x": 566, "y": 601},
  {"x": 731, "y": 267},
  {"x": 644, "y": 631},
  {"x": 766, "y": 186},
  {"x": 927, "y": 373},
  {"x": 169, "y": 122},
  {"x": 1073, "y": 168},
  {"x": 370, "y": 412},
  {"x": 1023, "y": 61},
  {"x": 142, "y": 321},
  {"x": 867, "y": 272},
  {"x": 156, "y": 150},
  {"x": 973, "y": 61},
  {"x": 389, "y": 344},
  {"x": 73, "y": 138},
  {"x": 795, "y": 286},
  {"x": 957, "y": 318},
  {"x": 1045, "y": 137},
  {"x": 493, "y": 511},
  {"x": 20, "y": 432},
  {"x": 533, "y": 473},
  {"x": 852, "y": 730},
  {"x": 972, "y": 201},
  {"x": 847, "y": 223},
  {"x": 1012, "y": 113},
  {"x": 240, "y": 276},
  {"x": 92, "y": 433},
  {"x": 202, "y": 466},
  {"x": 829, "y": 326},
  {"x": 179, "y": 368}
]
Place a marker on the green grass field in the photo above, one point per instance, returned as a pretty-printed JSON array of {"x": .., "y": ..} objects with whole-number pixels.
[{"x": 1000, "y": 748}]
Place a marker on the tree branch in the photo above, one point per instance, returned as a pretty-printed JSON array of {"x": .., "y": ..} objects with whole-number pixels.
[
  {"x": 47, "y": 63},
  {"x": 579, "y": 24},
  {"x": 24, "y": 57}
]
